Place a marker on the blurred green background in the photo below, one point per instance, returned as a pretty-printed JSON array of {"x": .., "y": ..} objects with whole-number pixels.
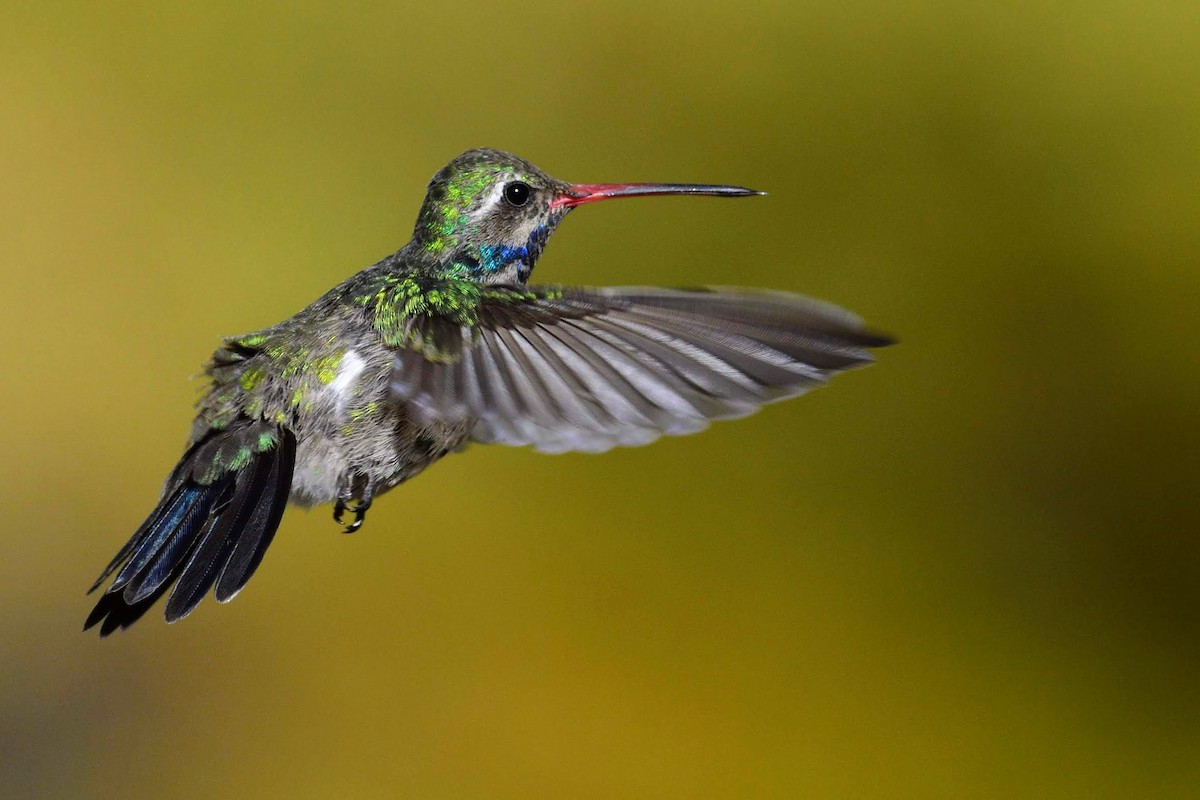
[{"x": 972, "y": 570}]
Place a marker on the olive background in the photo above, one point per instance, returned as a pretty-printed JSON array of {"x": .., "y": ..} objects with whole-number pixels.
[{"x": 971, "y": 570}]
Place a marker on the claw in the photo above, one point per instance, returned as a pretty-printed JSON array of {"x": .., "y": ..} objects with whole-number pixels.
[
  {"x": 359, "y": 511},
  {"x": 357, "y": 486}
]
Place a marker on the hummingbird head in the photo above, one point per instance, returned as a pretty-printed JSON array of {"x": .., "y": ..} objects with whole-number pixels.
[{"x": 490, "y": 213}]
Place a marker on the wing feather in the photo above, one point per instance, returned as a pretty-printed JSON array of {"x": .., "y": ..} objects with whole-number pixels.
[{"x": 590, "y": 369}]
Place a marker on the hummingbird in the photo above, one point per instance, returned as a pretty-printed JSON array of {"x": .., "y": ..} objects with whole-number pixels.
[{"x": 444, "y": 343}]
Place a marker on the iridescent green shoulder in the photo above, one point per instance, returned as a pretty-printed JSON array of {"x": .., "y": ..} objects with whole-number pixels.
[{"x": 435, "y": 314}]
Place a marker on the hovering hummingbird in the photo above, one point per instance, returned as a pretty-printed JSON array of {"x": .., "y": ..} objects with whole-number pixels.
[{"x": 444, "y": 343}]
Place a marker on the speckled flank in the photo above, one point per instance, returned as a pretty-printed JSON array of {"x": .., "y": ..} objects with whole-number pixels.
[{"x": 351, "y": 367}]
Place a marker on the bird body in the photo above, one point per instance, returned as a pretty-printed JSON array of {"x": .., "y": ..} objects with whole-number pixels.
[
  {"x": 324, "y": 374},
  {"x": 444, "y": 343}
]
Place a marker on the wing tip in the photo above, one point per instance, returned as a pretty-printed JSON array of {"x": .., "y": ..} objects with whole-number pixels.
[{"x": 874, "y": 339}]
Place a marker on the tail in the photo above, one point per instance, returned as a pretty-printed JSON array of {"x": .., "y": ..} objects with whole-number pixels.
[{"x": 218, "y": 513}]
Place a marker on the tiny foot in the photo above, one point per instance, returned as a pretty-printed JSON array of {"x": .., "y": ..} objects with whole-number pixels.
[{"x": 359, "y": 510}]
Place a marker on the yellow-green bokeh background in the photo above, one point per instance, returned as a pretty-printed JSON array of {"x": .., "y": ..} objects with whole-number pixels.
[{"x": 972, "y": 570}]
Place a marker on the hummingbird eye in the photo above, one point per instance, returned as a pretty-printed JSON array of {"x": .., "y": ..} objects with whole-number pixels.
[{"x": 517, "y": 193}]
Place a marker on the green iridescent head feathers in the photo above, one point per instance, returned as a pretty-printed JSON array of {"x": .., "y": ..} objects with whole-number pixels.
[{"x": 487, "y": 215}]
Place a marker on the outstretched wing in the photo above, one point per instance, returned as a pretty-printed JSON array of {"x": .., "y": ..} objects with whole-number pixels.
[{"x": 588, "y": 369}]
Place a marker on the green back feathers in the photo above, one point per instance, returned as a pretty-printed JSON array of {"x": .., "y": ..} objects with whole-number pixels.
[{"x": 431, "y": 314}]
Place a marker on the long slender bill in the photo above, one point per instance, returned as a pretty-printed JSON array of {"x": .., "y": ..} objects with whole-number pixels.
[{"x": 580, "y": 193}]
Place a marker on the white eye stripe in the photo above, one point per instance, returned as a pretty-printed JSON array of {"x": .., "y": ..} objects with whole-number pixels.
[
  {"x": 497, "y": 193},
  {"x": 493, "y": 198}
]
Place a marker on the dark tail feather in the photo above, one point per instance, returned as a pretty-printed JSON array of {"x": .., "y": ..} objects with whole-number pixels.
[
  {"x": 219, "y": 537},
  {"x": 139, "y": 538},
  {"x": 260, "y": 528},
  {"x": 167, "y": 541},
  {"x": 113, "y": 613},
  {"x": 200, "y": 533}
]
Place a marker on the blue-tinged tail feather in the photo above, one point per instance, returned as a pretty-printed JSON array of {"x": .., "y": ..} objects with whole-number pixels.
[{"x": 210, "y": 527}]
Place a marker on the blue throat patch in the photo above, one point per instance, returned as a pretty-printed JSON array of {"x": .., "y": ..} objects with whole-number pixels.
[{"x": 494, "y": 258}]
